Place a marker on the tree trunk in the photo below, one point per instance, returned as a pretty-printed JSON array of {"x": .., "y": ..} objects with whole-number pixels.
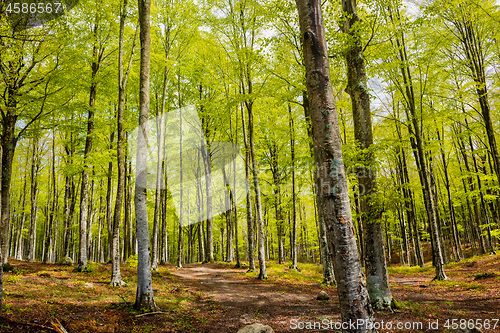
[
  {"x": 159, "y": 169},
  {"x": 371, "y": 208},
  {"x": 209, "y": 255},
  {"x": 326, "y": 255},
  {"x": 69, "y": 209},
  {"x": 22, "y": 219},
  {"x": 294, "y": 193},
  {"x": 417, "y": 143},
  {"x": 333, "y": 191},
  {"x": 82, "y": 258},
  {"x": 456, "y": 239},
  {"x": 180, "y": 241},
  {"x": 35, "y": 167},
  {"x": 144, "y": 296},
  {"x": 1, "y": 258},
  {"x": 116, "y": 279},
  {"x": 258, "y": 203},
  {"x": 408, "y": 197},
  {"x": 234, "y": 210},
  {"x": 50, "y": 231},
  {"x": 250, "y": 231},
  {"x": 8, "y": 143}
]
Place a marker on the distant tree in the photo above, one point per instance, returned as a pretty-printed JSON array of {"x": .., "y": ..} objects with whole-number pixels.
[{"x": 116, "y": 279}]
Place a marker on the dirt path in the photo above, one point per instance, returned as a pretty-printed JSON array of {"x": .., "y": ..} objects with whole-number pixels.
[{"x": 246, "y": 302}]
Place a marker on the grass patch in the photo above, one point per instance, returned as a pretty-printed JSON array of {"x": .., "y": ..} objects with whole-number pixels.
[
  {"x": 458, "y": 284},
  {"x": 413, "y": 270},
  {"x": 310, "y": 273}
]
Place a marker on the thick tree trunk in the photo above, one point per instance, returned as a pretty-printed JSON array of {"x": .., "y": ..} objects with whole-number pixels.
[
  {"x": 371, "y": 209},
  {"x": 8, "y": 142},
  {"x": 144, "y": 296},
  {"x": 333, "y": 192},
  {"x": 326, "y": 255}
]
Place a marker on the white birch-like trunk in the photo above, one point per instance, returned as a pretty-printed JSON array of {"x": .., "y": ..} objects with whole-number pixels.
[{"x": 144, "y": 296}]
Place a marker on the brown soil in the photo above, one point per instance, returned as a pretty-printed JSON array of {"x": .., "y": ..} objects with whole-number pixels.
[{"x": 216, "y": 298}]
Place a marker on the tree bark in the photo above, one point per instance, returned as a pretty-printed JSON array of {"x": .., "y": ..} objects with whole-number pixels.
[
  {"x": 258, "y": 203},
  {"x": 50, "y": 231},
  {"x": 1, "y": 259},
  {"x": 35, "y": 166},
  {"x": 294, "y": 194},
  {"x": 250, "y": 222},
  {"x": 326, "y": 255},
  {"x": 333, "y": 192},
  {"x": 144, "y": 296},
  {"x": 96, "y": 59},
  {"x": 116, "y": 279},
  {"x": 371, "y": 209}
]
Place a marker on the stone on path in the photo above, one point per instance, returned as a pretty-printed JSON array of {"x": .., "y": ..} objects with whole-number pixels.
[
  {"x": 323, "y": 296},
  {"x": 66, "y": 261}
]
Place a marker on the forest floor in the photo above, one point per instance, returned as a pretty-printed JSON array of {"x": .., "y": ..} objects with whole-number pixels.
[{"x": 217, "y": 298}]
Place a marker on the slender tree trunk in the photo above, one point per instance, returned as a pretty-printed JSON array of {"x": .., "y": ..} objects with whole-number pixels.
[
  {"x": 90, "y": 216},
  {"x": 250, "y": 228},
  {"x": 1, "y": 259},
  {"x": 258, "y": 203},
  {"x": 332, "y": 182},
  {"x": 144, "y": 296},
  {"x": 159, "y": 171},
  {"x": 22, "y": 219},
  {"x": 408, "y": 196},
  {"x": 180, "y": 241},
  {"x": 456, "y": 239},
  {"x": 82, "y": 258},
  {"x": 234, "y": 211},
  {"x": 35, "y": 166},
  {"x": 50, "y": 231},
  {"x": 294, "y": 193},
  {"x": 116, "y": 279},
  {"x": 417, "y": 143},
  {"x": 69, "y": 209},
  {"x": 164, "y": 238},
  {"x": 209, "y": 255}
]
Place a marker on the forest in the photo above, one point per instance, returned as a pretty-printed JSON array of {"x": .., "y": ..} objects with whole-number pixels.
[{"x": 161, "y": 147}]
